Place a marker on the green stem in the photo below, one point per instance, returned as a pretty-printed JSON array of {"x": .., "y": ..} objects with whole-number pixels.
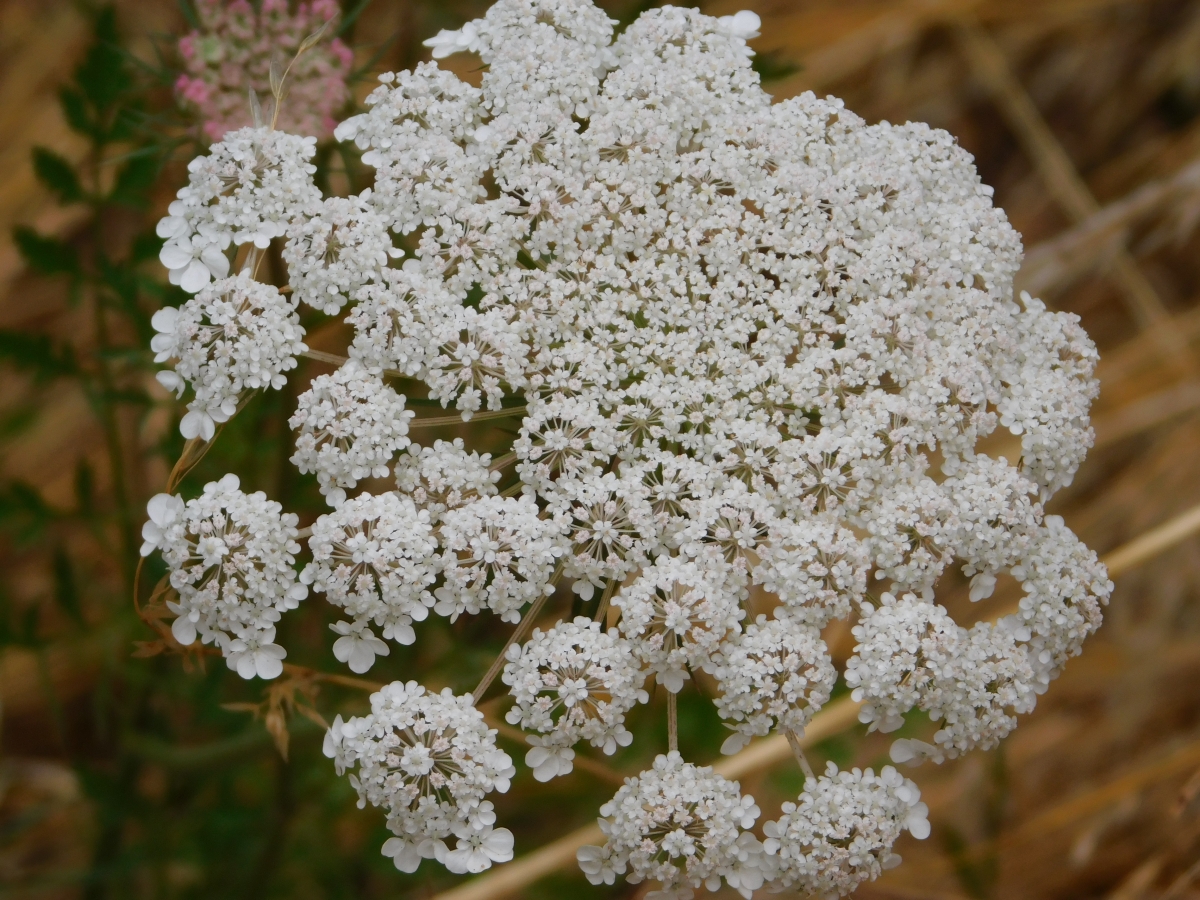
[{"x": 103, "y": 401}]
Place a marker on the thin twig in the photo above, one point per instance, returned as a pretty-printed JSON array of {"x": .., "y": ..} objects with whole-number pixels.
[
  {"x": 605, "y": 599},
  {"x": 502, "y": 462},
  {"x": 335, "y": 359}
]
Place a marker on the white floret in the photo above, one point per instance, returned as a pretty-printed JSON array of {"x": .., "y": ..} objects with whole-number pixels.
[
  {"x": 683, "y": 826},
  {"x": 235, "y": 336},
  {"x": 231, "y": 556},
  {"x": 350, "y": 426},
  {"x": 428, "y": 760},
  {"x": 375, "y": 556},
  {"x": 572, "y": 683},
  {"x": 841, "y": 831}
]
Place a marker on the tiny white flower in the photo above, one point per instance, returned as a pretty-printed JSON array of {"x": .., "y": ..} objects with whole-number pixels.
[
  {"x": 447, "y": 42},
  {"x": 164, "y": 511},
  {"x": 357, "y": 647},
  {"x": 194, "y": 261},
  {"x": 744, "y": 24}
]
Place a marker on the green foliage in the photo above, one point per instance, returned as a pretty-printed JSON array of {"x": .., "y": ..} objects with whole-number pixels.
[
  {"x": 93, "y": 102},
  {"x": 58, "y": 175},
  {"x": 45, "y": 255},
  {"x": 38, "y": 355},
  {"x": 135, "y": 179}
]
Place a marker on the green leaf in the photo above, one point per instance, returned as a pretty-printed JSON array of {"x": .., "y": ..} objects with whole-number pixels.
[
  {"x": 37, "y": 353},
  {"x": 46, "y": 255},
  {"x": 134, "y": 181},
  {"x": 103, "y": 76},
  {"x": 66, "y": 593},
  {"x": 58, "y": 175},
  {"x": 75, "y": 111}
]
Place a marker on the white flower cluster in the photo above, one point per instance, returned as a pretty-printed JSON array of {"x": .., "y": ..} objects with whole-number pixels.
[
  {"x": 375, "y": 558},
  {"x": 572, "y": 683},
  {"x": 336, "y": 249},
  {"x": 428, "y": 760},
  {"x": 235, "y": 335},
  {"x": 231, "y": 556},
  {"x": 683, "y": 826},
  {"x": 350, "y": 427},
  {"x": 775, "y": 675},
  {"x": 445, "y": 476},
  {"x": 753, "y": 348},
  {"x": 249, "y": 189},
  {"x": 500, "y": 555},
  {"x": 842, "y": 830},
  {"x": 678, "y": 614}
]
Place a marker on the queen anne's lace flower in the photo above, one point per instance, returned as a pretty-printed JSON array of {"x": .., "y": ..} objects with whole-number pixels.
[
  {"x": 499, "y": 555},
  {"x": 681, "y": 825},
  {"x": 234, "y": 336},
  {"x": 428, "y": 760},
  {"x": 249, "y": 188},
  {"x": 231, "y": 558},
  {"x": 572, "y": 683},
  {"x": 351, "y": 425},
  {"x": 677, "y": 614},
  {"x": 375, "y": 558},
  {"x": 842, "y": 830},
  {"x": 336, "y": 250},
  {"x": 757, "y": 347},
  {"x": 776, "y": 674},
  {"x": 445, "y": 476}
]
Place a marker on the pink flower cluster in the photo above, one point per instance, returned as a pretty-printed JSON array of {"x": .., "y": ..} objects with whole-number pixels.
[{"x": 231, "y": 53}]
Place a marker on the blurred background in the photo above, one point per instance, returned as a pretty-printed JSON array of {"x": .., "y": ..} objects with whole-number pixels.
[{"x": 129, "y": 773}]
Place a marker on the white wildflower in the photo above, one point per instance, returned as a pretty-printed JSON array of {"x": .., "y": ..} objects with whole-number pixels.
[
  {"x": 572, "y": 683},
  {"x": 375, "y": 558},
  {"x": 841, "y": 831},
  {"x": 251, "y": 186},
  {"x": 681, "y": 825},
  {"x": 428, "y": 760},
  {"x": 677, "y": 613},
  {"x": 777, "y": 674},
  {"x": 230, "y": 556},
  {"x": 445, "y": 476},
  {"x": 236, "y": 335},
  {"x": 340, "y": 247},
  {"x": 499, "y": 555},
  {"x": 350, "y": 427},
  {"x": 734, "y": 345}
]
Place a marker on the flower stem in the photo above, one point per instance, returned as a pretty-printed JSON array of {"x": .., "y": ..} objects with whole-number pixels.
[
  {"x": 794, "y": 740},
  {"x": 517, "y": 636},
  {"x": 672, "y": 722},
  {"x": 602, "y": 609},
  {"x": 435, "y": 421}
]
